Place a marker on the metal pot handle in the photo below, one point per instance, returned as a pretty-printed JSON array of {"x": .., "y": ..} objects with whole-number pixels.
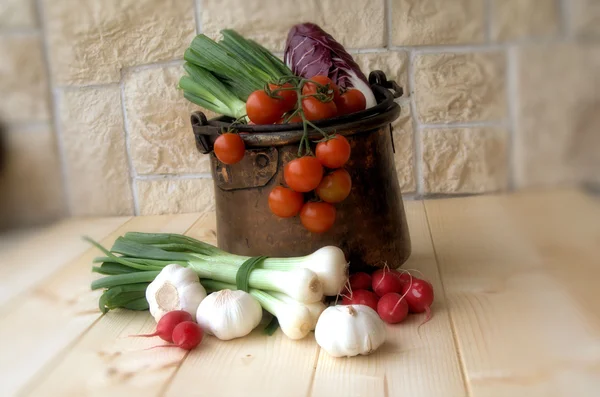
[
  {"x": 377, "y": 77},
  {"x": 202, "y": 143}
]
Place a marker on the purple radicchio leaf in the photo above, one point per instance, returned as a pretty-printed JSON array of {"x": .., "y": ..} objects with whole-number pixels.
[{"x": 310, "y": 51}]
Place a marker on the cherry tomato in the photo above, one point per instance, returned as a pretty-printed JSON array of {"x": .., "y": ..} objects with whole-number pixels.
[
  {"x": 311, "y": 88},
  {"x": 351, "y": 101},
  {"x": 289, "y": 98},
  {"x": 334, "y": 152},
  {"x": 285, "y": 202},
  {"x": 317, "y": 110},
  {"x": 317, "y": 217},
  {"x": 229, "y": 148},
  {"x": 262, "y": 109},
  {"x": 335, "y": 187},
  {"x": 295, "y": 119},
  {"x": 303, "y": 174}
]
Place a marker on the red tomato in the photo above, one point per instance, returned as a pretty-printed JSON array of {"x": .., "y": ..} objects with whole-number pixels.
[
  {"x": 317, "y": 110},
  {"x": 335, "y": 187},
  {"x": 262, "y": 109},
  {"x": 289, "y": 98},
  {"x": 285, "y": 202},
  {"x": 334, "y": 152},
  {"x": 229, "y": 148},
  {"x": 303, "y": 174},
  {"x": 311, "y": 88},
  {"x": 317, "y": 217},
  {"x": 351, "y": 101}
]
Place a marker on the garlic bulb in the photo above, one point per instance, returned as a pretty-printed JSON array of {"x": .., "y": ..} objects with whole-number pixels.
[
  {"x": 175, "y": 288},
  {"x": 349, "y": 330},
  {"x": 229, "y": 314}
]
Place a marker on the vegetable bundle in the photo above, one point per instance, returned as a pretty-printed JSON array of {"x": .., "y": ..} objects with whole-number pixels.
[{"x": 291, "y": 289}]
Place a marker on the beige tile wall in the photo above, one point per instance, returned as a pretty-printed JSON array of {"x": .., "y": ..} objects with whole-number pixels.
[{"x": 499, "y": 95}]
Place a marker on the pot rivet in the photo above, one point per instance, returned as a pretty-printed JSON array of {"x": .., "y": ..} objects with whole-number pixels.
[{"x": 262, "y": 160}]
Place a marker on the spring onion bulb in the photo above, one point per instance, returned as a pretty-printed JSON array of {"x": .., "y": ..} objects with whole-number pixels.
[{"x": 315, "y": 309}]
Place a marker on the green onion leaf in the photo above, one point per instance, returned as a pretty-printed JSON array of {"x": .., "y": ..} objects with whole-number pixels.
[
  {"x": 272, "y": 326},
  {"x": 122, "y": 279},
  {"x": 242, "y": 278},
  {"x": 138, "y": 304}
]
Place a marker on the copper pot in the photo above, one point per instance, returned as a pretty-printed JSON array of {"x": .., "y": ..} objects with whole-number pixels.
[{"x": 371, "y": 223}]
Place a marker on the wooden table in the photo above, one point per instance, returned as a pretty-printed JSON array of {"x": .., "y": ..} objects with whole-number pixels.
[{"x": 517, "y": 313}]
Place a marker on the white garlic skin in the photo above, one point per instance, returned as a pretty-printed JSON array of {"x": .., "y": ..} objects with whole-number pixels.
[
  {"x": 175, "y": 288},
  {"x": 349, "y": 330},
  {"x": 229, "y": 314}
]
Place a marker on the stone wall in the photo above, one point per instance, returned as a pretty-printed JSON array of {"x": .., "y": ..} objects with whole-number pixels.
[{"x": 499, "y": 94}]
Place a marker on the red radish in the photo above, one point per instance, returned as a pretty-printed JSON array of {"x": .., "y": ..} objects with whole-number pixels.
[
  {"x": 384, "y": 281},
  {"x": 419, "y": 296},
  {"x": 392, "y": 308},
  {"x": 360, "y": 280},
  {"x": 361, "y": 297},
  {"x": 187, "y": 335},
  {"x": 405, "y": 277},
  {"x": 167, "y": 323}
]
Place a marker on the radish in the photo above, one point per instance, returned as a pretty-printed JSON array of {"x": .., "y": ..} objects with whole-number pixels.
[
  {"x": 167, "y": 324},
  {"x": 361, "y": 297},
  {"x": 405, "y": 277},
  {"x": 392, "y": 308},
  {"x": 419, "y": 296},
  {"x": 187, "y": 335},
  {"x": 384, "y": 281},
  {"x": 360, "y": 280}
]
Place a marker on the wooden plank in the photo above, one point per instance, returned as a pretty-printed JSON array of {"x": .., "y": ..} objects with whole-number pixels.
[
  {"x": 29, "y": 260},
  {"x": 41, "y": 324},
  {"x": 519, "y": 328},
  {"x": 411, "y": 362},
  {"x": 256, "y": 365}
]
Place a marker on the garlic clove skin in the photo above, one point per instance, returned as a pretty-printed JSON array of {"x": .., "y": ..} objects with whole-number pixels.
[
  {"x": 229, "y": 314},
  {"x": 350, "y": 330},
  {"x": 175, "y": 288},
  {"x": 330, "y": 265}
]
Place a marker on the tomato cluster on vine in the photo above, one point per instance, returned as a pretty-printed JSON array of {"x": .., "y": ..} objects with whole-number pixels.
[
  {"x": 295, "y": 100},
  {"x": 307, "y": 174},
  {"x": 300, "y": 99},
  {"x": 291, "y": 100}
]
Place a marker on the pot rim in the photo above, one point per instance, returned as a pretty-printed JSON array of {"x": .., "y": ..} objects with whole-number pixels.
[{"x": 387, "y": 110}]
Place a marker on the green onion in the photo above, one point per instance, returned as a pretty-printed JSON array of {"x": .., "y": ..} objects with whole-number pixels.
[
  {"x": 204, "y": 89},
  {"x": 301, "y": 284},
  {"x": 329, "y": 263},
  {"x": 221, "y": 76}
]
